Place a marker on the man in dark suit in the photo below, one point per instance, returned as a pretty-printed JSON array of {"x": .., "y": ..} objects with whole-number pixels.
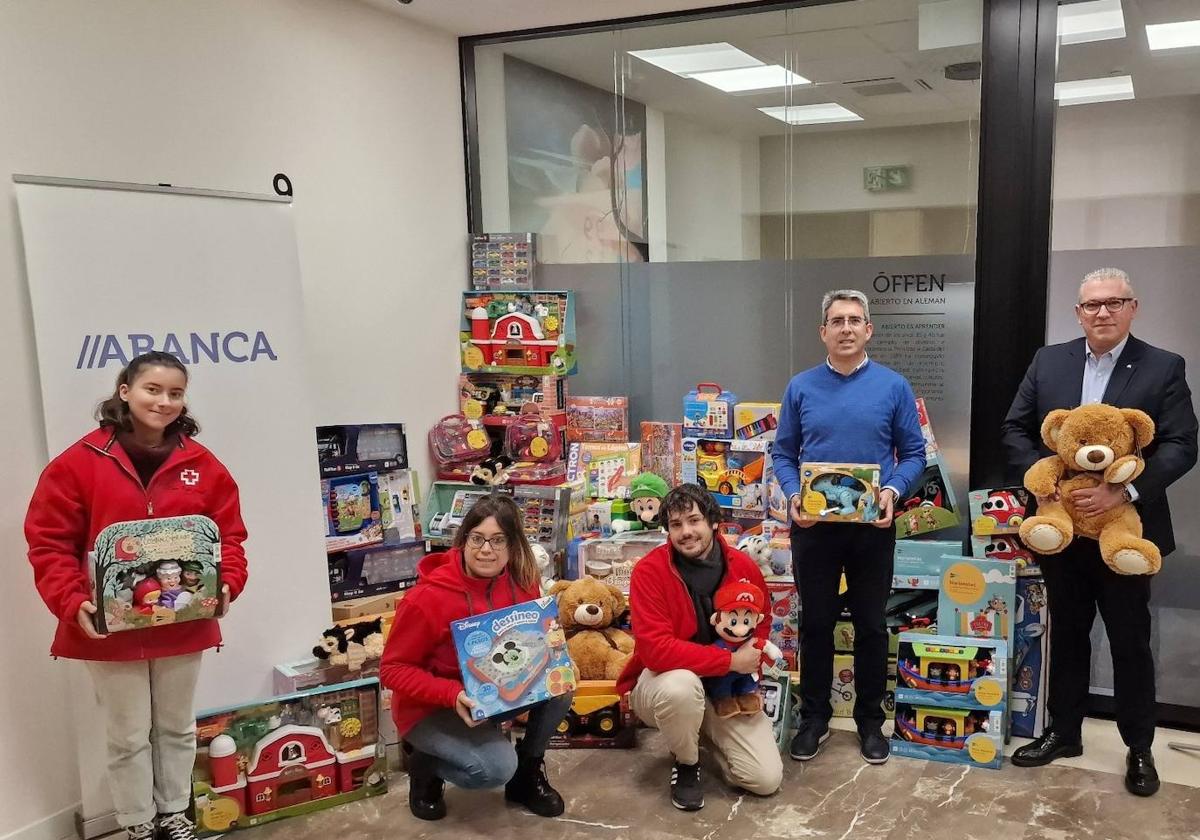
[{"x": 1110, "y": 366}]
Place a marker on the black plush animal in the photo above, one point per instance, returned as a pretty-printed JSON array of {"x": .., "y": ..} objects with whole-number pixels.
[
  {"x": 337, "y": 639},
  {"x": 491, "y": 471}
]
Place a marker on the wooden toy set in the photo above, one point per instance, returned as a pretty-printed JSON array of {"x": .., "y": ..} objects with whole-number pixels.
[
  {"x": 513, "y": 657},
  {"x": 287, "y": 756},
  {"x": 155, "y": 571}
]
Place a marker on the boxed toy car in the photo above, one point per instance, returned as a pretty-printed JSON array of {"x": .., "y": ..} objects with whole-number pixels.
[
  {"x": 1006, "y": 547},
  {"x": 708, "y": 412},
  {"x": 503, "y": 260},
  {"x": 599, "y": 719},
  {"x": 939, "y": 731},
  {"x": 733, "y": 471},
  {"x": 598, "y": 419},
  {"x": 513, "y": 657},
  {"x": 997, "y": 511},
  {"x": 978, "y": 598},
  {"x": 755, "y": 420},
  {"x": 374, "y": 571},
  {"x": 662, "y": 451},
  {"x": 360, "y": 448},
  {"x": 839, "y": 492},
  {"x": 969, "y": 673},
  {"x": 286, "y": 756},
  {"x": 155, "y": 571}
]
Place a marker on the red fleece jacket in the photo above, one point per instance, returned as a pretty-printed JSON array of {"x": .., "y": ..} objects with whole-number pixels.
[
  {"x": 419, "y": 663},
  {"x": 92, "y": 485},
  {"x": 664, "y": 620}
]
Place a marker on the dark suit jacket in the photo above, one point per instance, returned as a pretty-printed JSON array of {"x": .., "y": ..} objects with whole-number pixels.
[{"x": 1146, "y": 378}]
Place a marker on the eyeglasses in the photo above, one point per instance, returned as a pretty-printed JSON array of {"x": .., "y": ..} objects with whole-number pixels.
[
  {"x": 498, "y": 542},
  {"x": 1091, "y": 307},
  {"x": 839, "y": 322}
]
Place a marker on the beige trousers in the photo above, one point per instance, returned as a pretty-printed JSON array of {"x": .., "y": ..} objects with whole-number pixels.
[
  {"x": 151, "y": 727},
  {"x": 674, "y": 703}
]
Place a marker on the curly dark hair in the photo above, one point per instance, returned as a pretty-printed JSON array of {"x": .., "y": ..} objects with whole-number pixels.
[
  {"x": 114, "y": 411},
  {"x": 681, "y": 499}
]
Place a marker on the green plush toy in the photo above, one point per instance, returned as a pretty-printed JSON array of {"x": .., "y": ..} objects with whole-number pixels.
[{"x": 646, "y": 492}]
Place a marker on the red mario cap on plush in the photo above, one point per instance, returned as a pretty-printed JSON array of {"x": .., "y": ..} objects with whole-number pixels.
[{"x": 740, "y": 596}]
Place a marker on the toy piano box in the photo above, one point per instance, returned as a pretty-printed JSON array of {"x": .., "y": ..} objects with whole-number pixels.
[
  {"x": 997, "y": 511},
  {"x": 755, "y": 420},
  {"x": 513, "y": 657},
  {"x": 968, "y": 673},
  {"x": 155, "y": 571},
  {"x": 287, "y": 756},
  {"x": 708, "y": 412},
  {"x": 839, "y": 492}
]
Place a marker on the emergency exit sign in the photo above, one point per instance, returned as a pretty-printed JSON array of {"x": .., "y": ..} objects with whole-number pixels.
[{"x": 886, "y": 178}]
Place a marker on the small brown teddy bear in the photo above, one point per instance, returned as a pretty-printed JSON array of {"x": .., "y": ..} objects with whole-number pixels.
[
  {"x": 1095, "y": 444},
  {"x": 586, "y": 610}
]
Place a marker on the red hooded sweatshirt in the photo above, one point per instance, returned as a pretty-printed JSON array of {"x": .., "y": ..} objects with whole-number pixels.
[
  {"x": 664, "y": 619},
  {"x": 419, "y": 664},
  {"x": 93, "y": 484}
]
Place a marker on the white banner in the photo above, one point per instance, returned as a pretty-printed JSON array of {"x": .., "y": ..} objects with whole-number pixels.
[{"x": 116, "y": 270}]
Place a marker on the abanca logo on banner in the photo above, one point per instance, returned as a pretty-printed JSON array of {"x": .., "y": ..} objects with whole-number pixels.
[{"x": 99, "y": 350}]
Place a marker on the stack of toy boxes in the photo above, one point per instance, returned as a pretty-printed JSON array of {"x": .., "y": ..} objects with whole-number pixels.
[
  {"x": 287, "y": 756},
  {"x": 544, "y": 510},
  {"x": 728, "y": 448},
  {"x": 517, "y": 349},
  {"x": 931, "y": 506},
  {"x": 996, "y": 517},
  {"x": 513, "y": 657},
  {"x": 370, "y": 498}
]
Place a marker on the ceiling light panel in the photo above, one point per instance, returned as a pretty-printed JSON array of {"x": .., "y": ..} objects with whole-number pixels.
[
  {"x": 1098, "y": 20},
  {"x": 1173, "y": 36},
  {"x": 824, "y": 112},
  {"x": 1083, "y": 91},
  {"x": 743, "y": 79},
  {"x": 697, "y": 58}
]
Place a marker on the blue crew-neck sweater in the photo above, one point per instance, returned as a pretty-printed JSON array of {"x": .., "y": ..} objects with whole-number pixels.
[{"x": 868, "y": 417}]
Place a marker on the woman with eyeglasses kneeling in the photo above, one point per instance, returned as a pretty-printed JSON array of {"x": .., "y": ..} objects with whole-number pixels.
[{"x": 489, "y": 566}]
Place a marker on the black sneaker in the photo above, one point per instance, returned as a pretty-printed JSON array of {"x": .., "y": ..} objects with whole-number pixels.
[
  {"x": 530, "y": 788},
  {"x": 175, "y": 827},
  {"x": 807, "y": 743},
  {"x": 687, "y": 793},
  {"x": 873, "y": 746}
]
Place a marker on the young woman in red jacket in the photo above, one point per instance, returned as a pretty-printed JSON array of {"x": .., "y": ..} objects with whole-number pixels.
[
  {"x": 490, "y": 566},
  {"x": 140, "y": 464}
]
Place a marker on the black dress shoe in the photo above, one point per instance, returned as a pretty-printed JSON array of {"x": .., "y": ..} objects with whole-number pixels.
[
  {"x": 530, "y": 787},
  {"x": 1141, "y": 779},
  {"x": 1046, "y": 749},
  {"x": 425, "y": 787}
]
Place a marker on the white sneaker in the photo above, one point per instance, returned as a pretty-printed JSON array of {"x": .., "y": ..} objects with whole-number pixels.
[{"x": 141, "y": 831}]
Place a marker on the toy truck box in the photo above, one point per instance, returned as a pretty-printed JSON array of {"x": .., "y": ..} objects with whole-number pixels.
[
  {"x": 1000, "y": 510},
  {"x": 734, "y": 471},
  {"x": 513, "y": 657},
  {"x": 599, "y": 719}
]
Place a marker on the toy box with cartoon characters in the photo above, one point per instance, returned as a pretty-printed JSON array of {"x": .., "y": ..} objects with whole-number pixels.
[
  {"x": 941, "y": 731},
  {"x": 931, "y": 506},
  {"x": 155, "y": 571},
  {"x": 977, "y": 598},
  {"x": 513, "y": 657},
  {"x": 287, "y": 756},
  {"x": 785, "y": 620},
  {"x": 708, "y": 412},
  {"x": 531, "y": 332},
  {"x": 970, "y": 673},
  {"x": 734, "y": 471},
  {"x": 1005, "y": 547},
  {"x": 495, "y": 398},
  {"x": 839, "y": 492},
  {"x": 353, "y": 518},
  {"x": 997, "y": 511}
]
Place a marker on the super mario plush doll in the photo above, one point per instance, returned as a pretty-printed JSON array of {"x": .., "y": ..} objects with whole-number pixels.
[{"x": 740, "y": 607}]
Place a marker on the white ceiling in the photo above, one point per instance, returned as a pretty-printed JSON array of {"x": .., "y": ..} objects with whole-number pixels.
[{"x": 480, "y": 17}]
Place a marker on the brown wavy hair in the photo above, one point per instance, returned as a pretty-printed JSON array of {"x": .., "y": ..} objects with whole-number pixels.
[
  {"x": 114, "y": 412},
  {"x": 521, "y": 564}
]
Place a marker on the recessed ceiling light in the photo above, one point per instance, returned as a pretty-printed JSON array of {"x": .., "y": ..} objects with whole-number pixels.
[
  {"x": 1107, "y": 89},
  {"x": 824, "y": 112},
  {"x": 697, "y": 58},
  {"x": 751, "y": 78},
  {"x": 1172, "y": 36},
  {"x": 1098, "y": 20}
]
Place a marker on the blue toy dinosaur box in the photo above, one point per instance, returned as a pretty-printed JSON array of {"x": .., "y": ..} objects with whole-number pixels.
[
  {"x": 513, "y": 657},
  {"x": 839, "y": 492}
]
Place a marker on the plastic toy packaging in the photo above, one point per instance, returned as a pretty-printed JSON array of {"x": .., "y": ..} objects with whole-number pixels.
[
  {"x": 456, "y": 440},
  {"x": 840, "y": 492},
  {"x": 530, "y": 437}
]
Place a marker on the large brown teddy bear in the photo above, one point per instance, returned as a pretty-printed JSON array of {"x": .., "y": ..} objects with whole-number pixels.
[
  {"x": 1095, "y": 444},
  {"x": 586, "y": 610}
]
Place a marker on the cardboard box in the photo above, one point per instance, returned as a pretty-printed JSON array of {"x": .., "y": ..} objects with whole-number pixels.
[
  {"x": 1006, "y": 547},
  {"x": 523, "y": 332},
  {"x": 370, "y": 605},
  {"x": 755, "y": 420},
  {"x": 1031, "y": 659},
  {"x": 1000, "y": 510},
  {"x": 708, "y": 412},
  {"x": 607, "y": 468},
  {"x": 941, "y": 732},
  {"x": 966, "y": 673},
  {"x": 599, "y": 719},
  {"x": 662, "y": 451},
  {"x": 776, "y": 693},
  {"x": 978, "y": 598},
  {"x": 839, "y": 492},
  {"x": 931, "y": 506},
  {"x": 785, "y": 620},
  {"x": 734, "y": 471},
  {"x": 598, "y": 419},
  {"x": 843, "y": 693},
  {"x": 361, "y": 448}
]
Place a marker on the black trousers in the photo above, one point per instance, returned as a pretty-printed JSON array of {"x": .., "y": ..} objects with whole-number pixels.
[
  {"x": 819, "y": 556},
  {"x": 1077, "y": 583}
]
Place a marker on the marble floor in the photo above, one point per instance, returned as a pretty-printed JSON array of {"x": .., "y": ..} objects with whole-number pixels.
[{"x": 623, "y": 794}]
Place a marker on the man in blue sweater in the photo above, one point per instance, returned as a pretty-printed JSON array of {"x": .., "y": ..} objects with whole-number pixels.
[{"x": 848, "y": 409}]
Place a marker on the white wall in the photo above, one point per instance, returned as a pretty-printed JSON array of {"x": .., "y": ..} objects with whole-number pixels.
[{"x": 361, "y": 109}]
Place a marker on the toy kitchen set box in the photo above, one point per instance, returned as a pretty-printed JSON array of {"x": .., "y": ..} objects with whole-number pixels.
[{"x": 513, "y": 657}]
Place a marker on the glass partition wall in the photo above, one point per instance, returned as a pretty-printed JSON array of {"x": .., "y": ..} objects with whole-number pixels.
[{"x": 701, "y": 183}]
